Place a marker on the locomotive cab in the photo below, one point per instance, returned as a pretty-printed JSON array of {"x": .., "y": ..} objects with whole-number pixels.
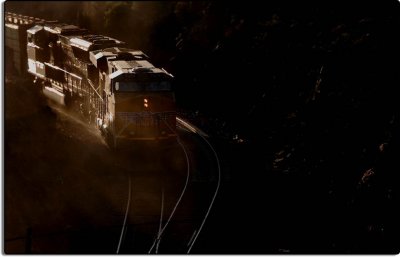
[{"x": 141, "y": 102}]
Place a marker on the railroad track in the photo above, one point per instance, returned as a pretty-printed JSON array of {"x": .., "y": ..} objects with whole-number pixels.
[
  {"x": 203, "y": 136},
  {"x": 154, "y": 248},
  {"x": 161, "y": 231},
  {"x": 187, "y": 126}
]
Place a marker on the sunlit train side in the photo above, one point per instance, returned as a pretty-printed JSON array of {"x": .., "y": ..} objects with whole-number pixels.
[{"x": 114, "y": 87}]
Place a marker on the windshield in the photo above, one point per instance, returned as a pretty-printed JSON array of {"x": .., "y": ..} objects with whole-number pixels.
[{"x": 124, "y": 86}]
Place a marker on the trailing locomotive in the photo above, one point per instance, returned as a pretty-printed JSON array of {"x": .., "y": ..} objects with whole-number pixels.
[{"x": 114, "y": 87}]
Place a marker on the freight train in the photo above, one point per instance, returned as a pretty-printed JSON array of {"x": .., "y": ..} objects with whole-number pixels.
[{"x": 115, "y": 88}]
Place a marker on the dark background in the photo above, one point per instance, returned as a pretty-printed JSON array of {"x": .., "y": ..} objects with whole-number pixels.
[{"x": 300, "y": 100}]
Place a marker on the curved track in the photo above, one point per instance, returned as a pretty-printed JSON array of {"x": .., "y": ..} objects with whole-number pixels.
[
  {"x": 126, "y": 215},
  {"x": 203, "y": 136},
  {"x": 157, "y": 240},
  {"x": 213, "y": 198},
  {"x": 103, "y": 219}
]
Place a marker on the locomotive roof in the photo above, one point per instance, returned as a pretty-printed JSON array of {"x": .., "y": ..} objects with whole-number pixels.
[
  {"x": 113, "y": 51},
  {"x": 127, "y": 68},
  {"x": 84, "y": 42},
  {"x": 63, "y": 29},
  {"x": 35, "y": 29},
  {"x": 19, "y": 19},
  {"x": 132, "y": 65},
  {"x": 116, "y": 53},
  {"x": 128, "y": 62}
]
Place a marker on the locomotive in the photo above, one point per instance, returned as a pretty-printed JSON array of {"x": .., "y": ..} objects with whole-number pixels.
[{"x": 115, "y": 88}]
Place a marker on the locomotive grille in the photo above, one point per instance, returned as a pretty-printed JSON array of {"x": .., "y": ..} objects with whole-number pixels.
[{"x": 144, "y": 118}]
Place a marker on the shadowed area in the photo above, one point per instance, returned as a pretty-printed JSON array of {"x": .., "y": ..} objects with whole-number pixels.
[{"x": 66, "y": 191}]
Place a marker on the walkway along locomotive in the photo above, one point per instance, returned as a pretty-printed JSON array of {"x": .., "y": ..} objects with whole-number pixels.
[{"x": 115, "y": 88}]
